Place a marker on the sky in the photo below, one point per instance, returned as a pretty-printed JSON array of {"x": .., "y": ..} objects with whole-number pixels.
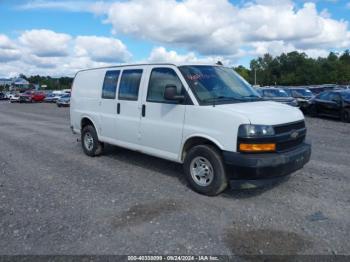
[{"x": 58, "y": 38}]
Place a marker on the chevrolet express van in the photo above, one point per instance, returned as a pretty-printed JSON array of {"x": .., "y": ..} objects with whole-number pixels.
[{"x": 204, "y": 116}]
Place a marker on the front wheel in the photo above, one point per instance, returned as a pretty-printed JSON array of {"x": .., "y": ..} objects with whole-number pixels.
[
  {"x": 205, "y": 171},
  {"x": 89, "y": 140}
]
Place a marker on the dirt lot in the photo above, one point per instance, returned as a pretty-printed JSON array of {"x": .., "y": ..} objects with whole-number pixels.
[{"x": 56, "y": 200}]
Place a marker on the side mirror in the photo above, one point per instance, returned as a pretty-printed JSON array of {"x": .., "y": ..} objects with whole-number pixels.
[{"x": 170, "y": 93}]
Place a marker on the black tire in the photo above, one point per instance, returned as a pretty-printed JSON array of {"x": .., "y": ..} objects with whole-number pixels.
[
  {"x": 58, "y": 105},
  {"x": 219, "y": 181},
  {"x": 345, "y": 116},
  {"x": 96, "y": 146}
]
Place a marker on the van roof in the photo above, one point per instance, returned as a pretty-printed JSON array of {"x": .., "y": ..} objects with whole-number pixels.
[{"x": 146, "y": 64}]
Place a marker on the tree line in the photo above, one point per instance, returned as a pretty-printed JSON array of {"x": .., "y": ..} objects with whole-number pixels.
[{"x": 296, "y": 68}]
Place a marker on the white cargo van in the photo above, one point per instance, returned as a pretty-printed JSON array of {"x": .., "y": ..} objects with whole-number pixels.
[{"x": 204, "y": 116}]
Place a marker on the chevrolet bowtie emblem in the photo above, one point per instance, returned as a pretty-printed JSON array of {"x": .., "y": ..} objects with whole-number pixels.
[{"x": 294, "y": 134}]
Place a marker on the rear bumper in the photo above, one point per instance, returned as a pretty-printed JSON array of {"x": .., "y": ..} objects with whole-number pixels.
[{"x": 259, "y": 169}]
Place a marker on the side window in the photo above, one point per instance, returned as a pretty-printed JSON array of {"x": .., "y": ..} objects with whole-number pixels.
[
  {"x": 129, "y": 84},
  {"x": 323, "y": 96},
  {"x": 159, "y": 79},
  {"x": 110, "y": 84}
]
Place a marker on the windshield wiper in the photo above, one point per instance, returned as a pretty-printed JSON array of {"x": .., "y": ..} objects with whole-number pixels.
[
  {"x": 251, "y": 96},
  {"x": 221, "y": 98},
  {"x": 214, "y": 100}
]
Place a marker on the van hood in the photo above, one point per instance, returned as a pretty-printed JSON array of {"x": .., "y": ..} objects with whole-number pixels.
[{"x": 264, "y": 112}]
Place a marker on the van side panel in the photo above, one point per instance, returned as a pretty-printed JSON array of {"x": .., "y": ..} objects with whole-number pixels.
[
  {"x": 85, "y": 98},
  {"x": 214, "y": 124}
]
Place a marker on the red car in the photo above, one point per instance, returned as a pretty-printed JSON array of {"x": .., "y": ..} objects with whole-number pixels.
[
  {"x": 31, "y": 96},
  {"x": 38, "y": 96}
]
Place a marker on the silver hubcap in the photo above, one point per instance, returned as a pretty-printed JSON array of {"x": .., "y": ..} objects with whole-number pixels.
[
  {"x": 88, "y": 141},
  {"x": 202, "y": 171}
]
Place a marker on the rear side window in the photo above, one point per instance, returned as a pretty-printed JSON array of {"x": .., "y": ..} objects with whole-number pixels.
[
  {"x": 160, "y": 78},
  {"x": 129, "y": 84},
  {"x": 110, "y": 84}
]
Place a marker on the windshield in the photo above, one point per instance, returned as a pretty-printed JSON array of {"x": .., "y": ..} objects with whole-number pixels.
[
  {"x": 303, "y": 92},
  {"x": 216, "y": 84},
  {"x": 275, "y": 93}
]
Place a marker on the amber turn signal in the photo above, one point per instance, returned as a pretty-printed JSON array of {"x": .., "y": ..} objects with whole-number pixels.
[{"x": 257, "y": 147}]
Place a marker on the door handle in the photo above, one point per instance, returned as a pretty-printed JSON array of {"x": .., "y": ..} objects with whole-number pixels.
[
  {"x": 118, "y": 108},
  {"x": 143, "y": 110}
]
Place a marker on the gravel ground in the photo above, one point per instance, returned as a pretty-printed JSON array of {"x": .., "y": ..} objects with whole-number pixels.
[{"x": 56, "y": 200}]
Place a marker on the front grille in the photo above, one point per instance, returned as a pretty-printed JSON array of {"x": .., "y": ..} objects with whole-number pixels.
[
  {"x": 288, "y": 142},
  {"x": 286, "y": 145},
  {"x": 289, "y": 127}
]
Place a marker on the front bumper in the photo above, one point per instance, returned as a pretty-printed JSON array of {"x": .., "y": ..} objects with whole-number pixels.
[{"x": 255, "y": 170}]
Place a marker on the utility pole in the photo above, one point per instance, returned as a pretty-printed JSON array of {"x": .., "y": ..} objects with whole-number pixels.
[{"x": 254, "y": 76}]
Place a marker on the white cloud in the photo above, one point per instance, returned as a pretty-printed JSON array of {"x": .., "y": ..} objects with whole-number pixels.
[
  {"x": 221, "y": 28},
  {"x": 45, "y": 43},
  {"x": 57, "y": 54},
  {"x": 102, "y": 49},
  {"x": 275, "y": 48},
  {"x": 8, "y": 50},
  {"x": 208, "y": 30},
  {"x": 161, "y": 55}
]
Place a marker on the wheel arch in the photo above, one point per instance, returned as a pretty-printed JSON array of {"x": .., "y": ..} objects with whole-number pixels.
[
  {"x": 198, "y": 140},
  {"x": 85, "y": 120}
]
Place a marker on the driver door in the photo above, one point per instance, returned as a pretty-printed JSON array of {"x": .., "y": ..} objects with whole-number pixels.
[{"x": 162, "y": 120}]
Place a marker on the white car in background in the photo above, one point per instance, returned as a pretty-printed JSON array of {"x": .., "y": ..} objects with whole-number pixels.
[{"x": 13, "y": 98}]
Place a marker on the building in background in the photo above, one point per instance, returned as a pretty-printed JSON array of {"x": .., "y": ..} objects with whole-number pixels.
[
  {"x": 17, "y": 83},
  {"x": 5, "y": 82},
  {"x": 20, "y": 83}
]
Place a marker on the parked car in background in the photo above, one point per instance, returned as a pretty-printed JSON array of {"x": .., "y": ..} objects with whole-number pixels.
[
  {"x": 316, "y": 89},
  {"x": 2, "y": 96},
  {"x": 31, "y": 96},
  {"x": 331, "y": 103},
  {"x": 52, "y": 98},
  {"x": 301, "y": 95},
  {"x": 277, "y": 95},
  {"x": 14, "y": 98},
  {"x": 38, "y": 96},
  {"x": 8, "y": 95},
  {"x": 63, "y": 101},
  {"x": 25, "y": 97}
]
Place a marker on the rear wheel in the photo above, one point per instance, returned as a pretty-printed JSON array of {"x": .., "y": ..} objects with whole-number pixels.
[
  {"x": 205, "y": 171},
  {"x": 345, "y": 116},
  {"x": 89, "y": 140}
]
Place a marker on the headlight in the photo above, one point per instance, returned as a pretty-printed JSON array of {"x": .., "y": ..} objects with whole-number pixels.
[{"x": 255, "y": 131}]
